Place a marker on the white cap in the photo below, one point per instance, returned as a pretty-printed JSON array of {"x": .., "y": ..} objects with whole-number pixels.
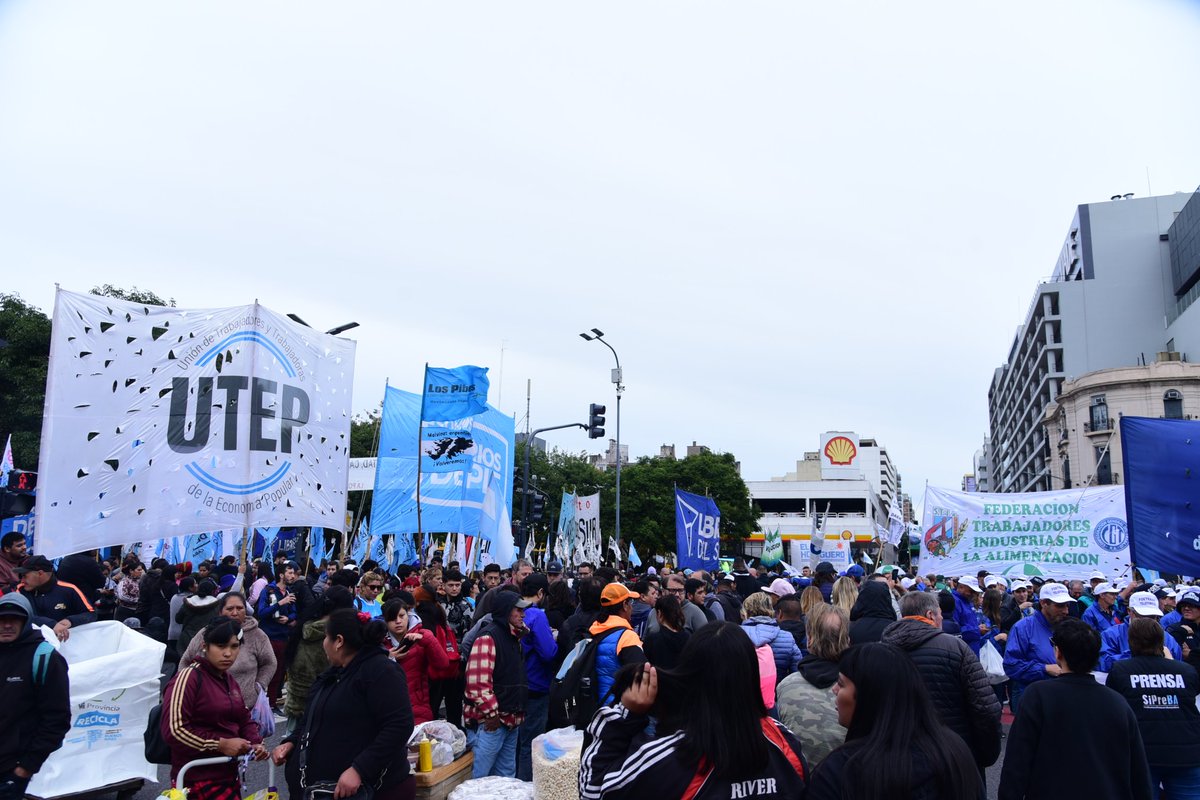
[
  {"x": 1098, "y": 576},
  {"x": 1019, "y": 584},
  {"x": 1160, "y": 582},
  {"x": 969, "y": 582},
  {"x": 994, "y": 580},
  {"x": 1057, "y": 593},
  {"x": 907, "y": 583},
  {"x": 1104, "y": 588},
  {"x": 1145, "y": 604}
]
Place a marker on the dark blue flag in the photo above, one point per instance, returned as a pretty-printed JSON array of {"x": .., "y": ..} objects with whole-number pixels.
[{"x": 1162, "y": 492}]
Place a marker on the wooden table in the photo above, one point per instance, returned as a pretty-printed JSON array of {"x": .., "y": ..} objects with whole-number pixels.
[{"x": 438, "y": 784}]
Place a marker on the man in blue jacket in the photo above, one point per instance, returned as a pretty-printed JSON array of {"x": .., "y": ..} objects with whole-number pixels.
[
  {"x": 965, "y": 594},
  {"x": 1114, "y": 642},
  {"x": 1029, "y": 656},
  {"x": 1101, "y": 615},
  {"x": 540, "y": 649}
]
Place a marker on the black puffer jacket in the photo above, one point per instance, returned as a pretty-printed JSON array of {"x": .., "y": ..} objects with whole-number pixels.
[
  {"x": 872, "y": 613},
  {"x": 829, "y": 779},
  {"x": 957, "y": 684}
]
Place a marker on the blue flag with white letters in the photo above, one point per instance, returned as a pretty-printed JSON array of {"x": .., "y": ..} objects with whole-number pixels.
[
  {"x": 697, "y": 531},
  {"x": 1162, "y": 467},
  {"x": 454, "y": 392}
]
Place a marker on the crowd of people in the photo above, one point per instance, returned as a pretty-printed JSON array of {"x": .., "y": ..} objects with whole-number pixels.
[{"x": 686, "y": 683}]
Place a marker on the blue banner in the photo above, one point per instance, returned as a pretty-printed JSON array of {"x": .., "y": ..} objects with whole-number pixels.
[
  {"x": 26, "y": 524},
  {"x": 1162, "y": 464},
  {"x": 697, "y": 531},
  {"x": 454, "y": 393},
  {"x": 466, "y": 501}
]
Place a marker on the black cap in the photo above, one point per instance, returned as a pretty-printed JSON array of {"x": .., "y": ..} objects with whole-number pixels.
[
  {"x": 533, "y": 582},
  {"x": 824, "y": 567},
  {"x": 554, "y": 568},
  {"x": 35, "y": 564}
]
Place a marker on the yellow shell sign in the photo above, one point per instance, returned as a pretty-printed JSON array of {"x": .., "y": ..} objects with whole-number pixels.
[{"x": 840, "y": 451}]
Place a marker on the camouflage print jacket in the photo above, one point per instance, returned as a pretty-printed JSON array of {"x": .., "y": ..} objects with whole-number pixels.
[{"x": 810, "y": 712}]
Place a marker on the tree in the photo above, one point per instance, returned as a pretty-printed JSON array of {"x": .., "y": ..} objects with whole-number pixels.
[
  {"x": 24, "y": 355},
  {"x": 132, "y": 294}
]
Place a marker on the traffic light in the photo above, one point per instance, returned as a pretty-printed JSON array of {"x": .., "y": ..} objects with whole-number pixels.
[
  {"x": 595, "y": 421},
  {"x": 21, "y": 481},
  {"x": 537, "y": 507}
]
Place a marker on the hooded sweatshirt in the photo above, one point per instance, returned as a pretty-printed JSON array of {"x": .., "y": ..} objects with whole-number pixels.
[
  {"x": 806, "y": 706},
  {"x": 872, "y": 613},
  {"x": 193, "y": 615},
  {"x": 38, "y": 714},
  {"x": 255, "y": 663}
]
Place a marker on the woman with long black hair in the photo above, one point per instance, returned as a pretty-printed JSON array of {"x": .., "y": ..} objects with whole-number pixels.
[
  {"x": 714, "y": 736},
  {"x": 356, "y": 725},
  {"x": 895, "y": 744}
]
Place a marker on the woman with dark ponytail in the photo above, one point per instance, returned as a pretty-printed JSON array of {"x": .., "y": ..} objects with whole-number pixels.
[
  {"x": 895, "y": 744},
  {"x": 355, "y": 728}
]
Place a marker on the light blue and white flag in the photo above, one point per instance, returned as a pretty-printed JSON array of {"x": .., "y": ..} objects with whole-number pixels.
[
  {"x": 316, "y": 546},
  {"x": 634, "y": 558},
  {"x": 6, "y": 462},
  {"x": 565, "y": 546},
  {"x": 454, "y": 392}
]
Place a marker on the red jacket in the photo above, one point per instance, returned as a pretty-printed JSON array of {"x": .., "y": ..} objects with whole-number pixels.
[
  {"x": 200, "y": 706},
  {"x": 426, "y": 655}
]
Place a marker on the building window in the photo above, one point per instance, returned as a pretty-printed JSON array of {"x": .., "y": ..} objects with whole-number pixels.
[
  {"x": 1173, "y": 404},
  {"x": 1099, "y": 414},
  {"x": 1066, "y": 470},
  {"x": 1103, "y": 467}
]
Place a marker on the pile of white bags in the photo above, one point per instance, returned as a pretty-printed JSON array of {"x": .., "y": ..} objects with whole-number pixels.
[
  {"x": 493, "y": 788},
  {"x": 449, "y": 742},
  {"x": 114, "y": 675}
]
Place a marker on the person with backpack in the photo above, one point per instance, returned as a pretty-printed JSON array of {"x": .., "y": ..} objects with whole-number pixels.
[
  {"x": 418, "y": 651},
  {"x": 617, "y": 643},
  {"x": 35, "y": 697},
  {"x": 714, "y": 738}
]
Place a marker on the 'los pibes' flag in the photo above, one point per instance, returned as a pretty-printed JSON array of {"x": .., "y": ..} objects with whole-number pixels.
[
  {"x": 697, "y": 531},
  {"x": 1162, "y": 465},
  {"x": 454, "y": 392}
]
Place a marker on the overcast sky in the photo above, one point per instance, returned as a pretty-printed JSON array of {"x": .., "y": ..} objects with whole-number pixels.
[{"x": 787, "y": 217}]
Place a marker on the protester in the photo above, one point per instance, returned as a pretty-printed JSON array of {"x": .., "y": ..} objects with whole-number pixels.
[
  {"x": 805, "y": 699},
  {"x": 358, "y": 719},
  {"x": 958, "y": 687},
  {"x": 895, "y": 744},
  {"x": 187, "y": 588},
  {"x": 824, "y": 577},
  {"x": 541, "y": 653},
  {"x": 727, "y": 603},
  {"x": 304, "y": 656},
  {"x": 744, "y": 584},
  {"x": 83, "y": 570},
  {"x": 370, "y": 587},
  {"x": 418, "y": 652},
  {"x": 664, "y": 646},
  {"x": 458, "y": 617},
  {"x": 35, "y": 697},
  {"x": 967, "y": 595},
  {"x": 128, "y": 591},
  {"x": 1114, "y": 643},
  {"x": 195, "y": 613},
  {"x": 1046, "y": 756},
  {"x": 763, "y": 630},
  {"x": 1186, "y": 632},
  {"x": 790, "y": 619},
  {"x": 497, "y": 687},
  {"x": 714, "y": 736},
  {"x": 618, "y": 645},
  {"x": 872, "y": 612},
  {"x": 844, "y": 593},
  {"x": 520, "y": 570},
  {"x": 1101, "y": 614},
  {"x": 1029, "y": 655},
  {"x": 255, "y": 662},
  {"x": 204, "y": 713},
  {"x": 12, "y": 555},
  {"x": 693, "y": 615},
  {"x": 56, "y": 604},
  {"x": 643, "y": 607},
  {"x": 1162, "y": 694}
]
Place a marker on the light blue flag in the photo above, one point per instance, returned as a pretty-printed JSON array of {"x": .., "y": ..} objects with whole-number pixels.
[
  {"x": 566, "y": 530},
  {"x": 269, "y": 535},
  {"x": 379, "y": 553},
  {"x": 634, "y": 558},
  {"x": 454, "y": 392},
  {"x": 316, "y": 539}
]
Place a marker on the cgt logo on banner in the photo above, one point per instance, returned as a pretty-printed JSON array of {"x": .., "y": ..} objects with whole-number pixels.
[
  {"x": 697, "y": 531},
  {"x": 1067, "y": 534},
  {"x": 165, "y": 420}
]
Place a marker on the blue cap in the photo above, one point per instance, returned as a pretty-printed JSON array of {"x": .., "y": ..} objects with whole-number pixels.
[{"x": 855, "y": 571}]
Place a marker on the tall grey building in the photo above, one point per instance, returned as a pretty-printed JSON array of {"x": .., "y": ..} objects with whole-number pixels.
[{"x": 1121, "y": 292}]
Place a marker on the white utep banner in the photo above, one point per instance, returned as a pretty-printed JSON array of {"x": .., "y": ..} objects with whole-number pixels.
[
  {"x": 167, "y": 422},
  {"x": 587, "y": 521},
  {"x": 1066, "y": 534}
]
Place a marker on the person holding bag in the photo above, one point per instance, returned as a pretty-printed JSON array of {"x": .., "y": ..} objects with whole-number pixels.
[{"x": 352, "y": 740}]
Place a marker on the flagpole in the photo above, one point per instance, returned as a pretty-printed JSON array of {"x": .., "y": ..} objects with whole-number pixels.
[{"x": 420, "y": 423}]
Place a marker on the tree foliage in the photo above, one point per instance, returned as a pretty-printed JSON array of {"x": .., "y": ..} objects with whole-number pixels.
[
  {"x": 133, "y": 295},
  {"x": 24, "y": 355}
]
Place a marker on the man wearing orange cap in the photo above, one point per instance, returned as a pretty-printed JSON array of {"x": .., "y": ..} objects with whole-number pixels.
[{"x": 619, "y": 644}]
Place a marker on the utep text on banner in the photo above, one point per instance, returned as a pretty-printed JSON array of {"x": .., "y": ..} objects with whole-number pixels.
[
  {"x": 473, "y": 499},
  {"x": 1162, "y": 466},
  {"x": 454, "y": 393},
  {"x": 697, "y": 531},
  {"x": 168, "y": 421},
  {"x": 1067, "y": 534}
]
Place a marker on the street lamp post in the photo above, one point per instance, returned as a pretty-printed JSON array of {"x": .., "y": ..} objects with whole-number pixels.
[{"x": 617, "y": 376}]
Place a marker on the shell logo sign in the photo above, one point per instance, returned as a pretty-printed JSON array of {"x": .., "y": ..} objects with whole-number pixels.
[{"x": 840, "y": 451}]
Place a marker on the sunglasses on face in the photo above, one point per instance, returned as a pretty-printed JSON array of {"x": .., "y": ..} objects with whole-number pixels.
[{"x": 374, "y": 587}]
